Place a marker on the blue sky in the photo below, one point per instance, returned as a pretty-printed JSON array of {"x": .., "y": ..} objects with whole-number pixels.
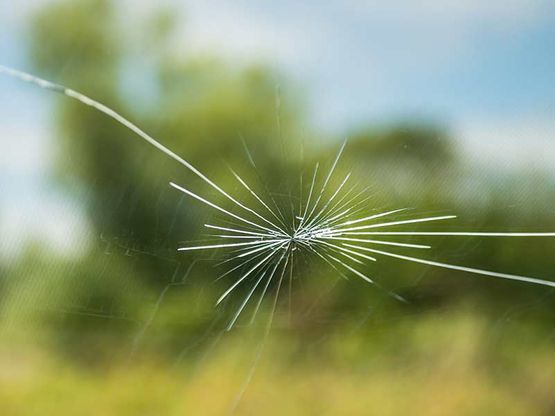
[
  {"x": 483, "y": 69},
  {"x": 385, "y": 60},
  {"x": 364, "y": 62}
]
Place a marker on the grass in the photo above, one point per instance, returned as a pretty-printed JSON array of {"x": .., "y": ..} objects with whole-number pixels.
[{"x": 431, "y": 364}]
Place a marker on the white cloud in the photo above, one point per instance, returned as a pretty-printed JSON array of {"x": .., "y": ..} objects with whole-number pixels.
[
  {"x": 54, "y": 222},
  {"x": 238, "y": 34},
  {"x": 242, "y": 31},
  {"x": 523, "y": 144},
  {"x": 26, "y": 150}
]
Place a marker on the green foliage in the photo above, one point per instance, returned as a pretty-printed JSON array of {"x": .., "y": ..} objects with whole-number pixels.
[{"x": 202, "y": 108}]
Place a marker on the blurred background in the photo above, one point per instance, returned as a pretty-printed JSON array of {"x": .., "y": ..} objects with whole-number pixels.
[{"x": 448, "y": 107}]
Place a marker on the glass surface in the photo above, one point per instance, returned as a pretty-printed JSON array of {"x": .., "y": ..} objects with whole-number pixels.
[{"x": 377, "y": 180}]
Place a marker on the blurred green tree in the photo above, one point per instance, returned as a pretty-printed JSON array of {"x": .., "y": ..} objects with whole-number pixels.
[{"x": 201, "y": 107}]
